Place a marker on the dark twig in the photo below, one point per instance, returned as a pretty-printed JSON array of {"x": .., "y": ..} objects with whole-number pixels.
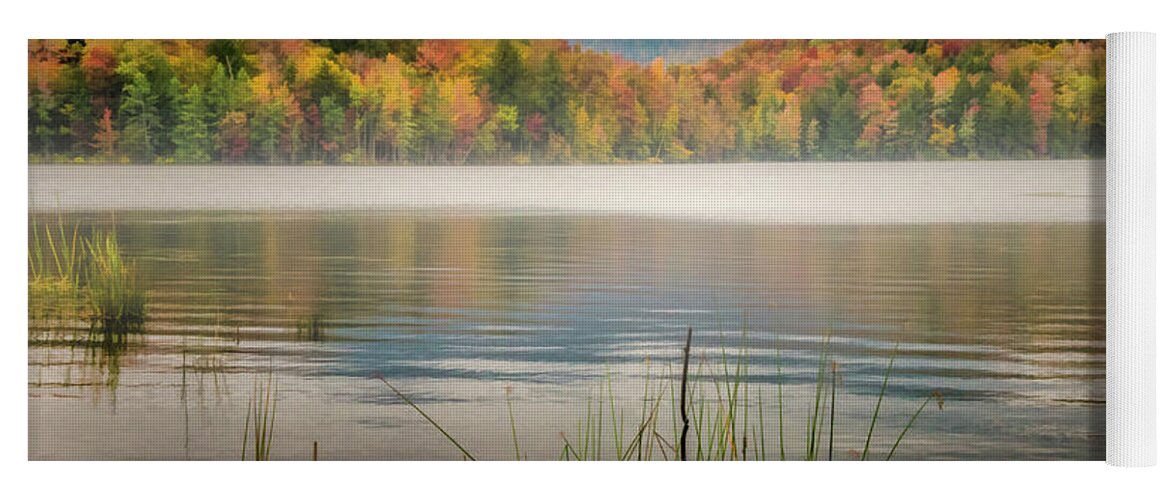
[
  {"x": 428, "y": 417},
  {"x": 683, "y": 400}
]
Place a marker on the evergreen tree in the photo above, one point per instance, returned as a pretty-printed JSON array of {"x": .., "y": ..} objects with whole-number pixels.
[
  {"x": 333, "y": 127},
  {"x": 224, "y": 94},
  {"x": 146, "y": 71},
  {"x": 552, "y": 94},
  {"x": 265, "y": 133},
  {"x": 435, "y": 127},
  {"x": 841, "y": 129},
  {"x": 192, "y": 137},
  {"x": 231, "y": 54},
  {"x": 404, "y": 49},
  {"x": 139, "y": 115},
  {"x": 44, "y": 124},
  {"x": 1004, "y": 126},
  {"x": 77, "y": 115},
  {"x": 506, "y": 77},
  {"x": 914, "y": 124}
]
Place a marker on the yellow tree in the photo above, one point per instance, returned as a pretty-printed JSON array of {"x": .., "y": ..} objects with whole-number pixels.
[
  {"x": 390, "y": 80},
  {"x": 943, "y": 86},
  {"x": 589, "y": 138},
  {"x": 466, "y": 110}
]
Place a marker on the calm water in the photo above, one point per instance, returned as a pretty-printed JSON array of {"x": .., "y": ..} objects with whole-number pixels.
[{"x": 467, "y": 308}]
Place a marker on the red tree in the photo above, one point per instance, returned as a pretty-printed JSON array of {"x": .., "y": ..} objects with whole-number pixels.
[
  {"x": 106, "y": 137},
  {"x": 1041, "y": 105}
]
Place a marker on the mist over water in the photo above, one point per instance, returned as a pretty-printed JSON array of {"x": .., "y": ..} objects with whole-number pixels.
[{"x": 790, "y": 193}]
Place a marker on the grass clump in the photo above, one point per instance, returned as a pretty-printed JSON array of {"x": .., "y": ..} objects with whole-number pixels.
[
  {"x": 117, "y": 301},
  {"x": 85, "y": 278}
]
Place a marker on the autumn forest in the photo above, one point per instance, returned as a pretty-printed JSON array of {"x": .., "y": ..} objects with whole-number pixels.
[{"x": 553, "y": 101}]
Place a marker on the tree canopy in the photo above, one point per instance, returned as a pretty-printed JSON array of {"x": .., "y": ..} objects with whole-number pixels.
[{"x": 549, "y": 101}]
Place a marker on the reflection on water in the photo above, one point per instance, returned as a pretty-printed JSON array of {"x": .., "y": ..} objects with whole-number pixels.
[{"x": 1006, "y": 320}]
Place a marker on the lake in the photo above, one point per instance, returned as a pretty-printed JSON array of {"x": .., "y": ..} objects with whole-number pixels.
[{"x": 549, "y": 289}]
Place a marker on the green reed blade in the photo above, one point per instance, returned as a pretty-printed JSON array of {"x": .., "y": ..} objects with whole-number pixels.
[
  {"x": 512, "y": 422},
  {"x": 907, "y": 428},
  {"x": 878, "y": 405}
]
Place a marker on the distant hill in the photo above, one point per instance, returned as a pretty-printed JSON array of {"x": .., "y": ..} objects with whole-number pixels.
[{"x": 672, "y": 51}]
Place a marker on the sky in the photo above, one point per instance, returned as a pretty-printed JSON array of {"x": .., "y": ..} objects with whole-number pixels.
[{"x": 672, "y": 51}]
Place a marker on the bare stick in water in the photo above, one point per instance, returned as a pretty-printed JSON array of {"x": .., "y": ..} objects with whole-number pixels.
[
  {"x": 683, "y": 400},
  {"x": 428, "y": 417}
]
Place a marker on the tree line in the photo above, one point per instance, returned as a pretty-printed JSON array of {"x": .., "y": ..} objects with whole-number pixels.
[{"x": 549, "y": 101}]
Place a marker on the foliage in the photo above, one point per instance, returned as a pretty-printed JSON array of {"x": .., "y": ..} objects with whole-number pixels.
[{"x": 483, "y": 101}]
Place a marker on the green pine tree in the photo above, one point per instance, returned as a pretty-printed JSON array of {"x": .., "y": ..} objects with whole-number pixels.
[
  {"x": 506, "y": 76},
  {"x": 139, "y": 113},
  {"x": 192, "y": 136}
]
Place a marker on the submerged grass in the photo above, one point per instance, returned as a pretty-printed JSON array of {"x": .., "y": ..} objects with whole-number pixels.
[
  {"x": 719, "y": 421},
  {"x": 311, "y": 327}
]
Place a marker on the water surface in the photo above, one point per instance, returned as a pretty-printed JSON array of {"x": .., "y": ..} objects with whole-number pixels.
[{"x": 465, "y": 307}]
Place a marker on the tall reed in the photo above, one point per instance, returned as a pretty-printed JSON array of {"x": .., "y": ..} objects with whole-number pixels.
[
  {"x": 55, "y": 261},
  {"x": 260, "y": 421}
]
